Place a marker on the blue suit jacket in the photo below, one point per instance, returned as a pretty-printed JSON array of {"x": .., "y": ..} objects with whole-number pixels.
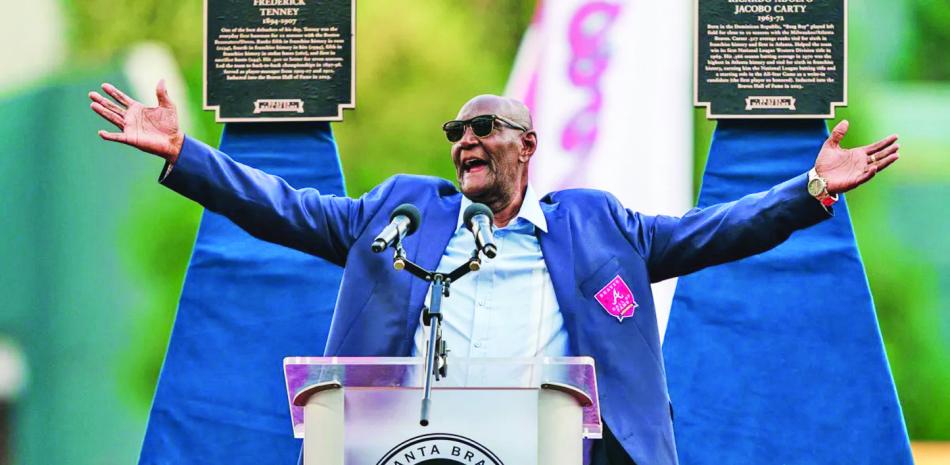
[{"x": 591, "y": 239}]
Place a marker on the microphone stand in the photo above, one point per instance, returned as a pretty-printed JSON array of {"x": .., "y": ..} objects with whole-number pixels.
[{"x": 436, "y": 349}]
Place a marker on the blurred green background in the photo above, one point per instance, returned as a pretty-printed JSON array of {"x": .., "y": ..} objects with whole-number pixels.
[{"x": 94, "y": 252}]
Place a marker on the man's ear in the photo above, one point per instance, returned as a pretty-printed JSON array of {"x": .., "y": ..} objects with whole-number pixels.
[{"x": 529, "y": 144}]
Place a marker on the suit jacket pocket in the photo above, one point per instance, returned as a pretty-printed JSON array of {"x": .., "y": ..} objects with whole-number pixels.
[{"x": 599, "y": 278}]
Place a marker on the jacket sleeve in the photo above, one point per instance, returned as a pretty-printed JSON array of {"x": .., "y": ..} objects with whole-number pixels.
[
  {"x": 720, "y": 233},
  {"x": 267, "y": 207}
]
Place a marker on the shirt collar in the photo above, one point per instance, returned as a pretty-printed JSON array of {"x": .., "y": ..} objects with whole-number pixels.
[{"x": 530, "y": 210}]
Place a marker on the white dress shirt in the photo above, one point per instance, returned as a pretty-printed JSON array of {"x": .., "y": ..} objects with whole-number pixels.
[{"x": 508, "y": 307}]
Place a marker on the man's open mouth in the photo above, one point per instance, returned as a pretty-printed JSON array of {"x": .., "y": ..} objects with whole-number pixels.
[{"x": 473, "y": 164}]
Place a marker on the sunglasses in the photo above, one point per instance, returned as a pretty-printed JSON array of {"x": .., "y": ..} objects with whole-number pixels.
[{"x": 482, "y": 126}]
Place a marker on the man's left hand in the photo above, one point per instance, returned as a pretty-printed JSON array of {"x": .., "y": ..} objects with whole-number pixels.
[{"x": 844, "y": 169}]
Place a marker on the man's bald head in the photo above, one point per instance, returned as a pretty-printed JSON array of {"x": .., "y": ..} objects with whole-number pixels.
[
  {"x": 493, "y": 168},
  {"x": 488, "y": 104}
]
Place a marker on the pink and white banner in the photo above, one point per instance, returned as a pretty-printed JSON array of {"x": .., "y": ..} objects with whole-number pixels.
[{"x": 608, "y": 83}]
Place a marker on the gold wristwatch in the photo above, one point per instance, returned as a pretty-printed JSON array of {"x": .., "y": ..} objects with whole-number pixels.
[{"x": 818, "y": 188}]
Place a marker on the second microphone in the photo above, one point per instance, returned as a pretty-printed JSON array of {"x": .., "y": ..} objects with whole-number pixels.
[
  {"x": 403, "y": 221},
  {"x": 479, "y": 219}
]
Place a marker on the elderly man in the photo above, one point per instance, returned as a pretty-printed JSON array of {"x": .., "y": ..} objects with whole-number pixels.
[{"x": 558, "y": 254}]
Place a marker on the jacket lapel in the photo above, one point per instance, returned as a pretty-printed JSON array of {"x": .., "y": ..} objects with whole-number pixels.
[{"x": 557, "y": 246}]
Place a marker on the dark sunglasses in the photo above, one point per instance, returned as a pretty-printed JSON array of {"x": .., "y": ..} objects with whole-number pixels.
[{"x": 482, "y": 126}]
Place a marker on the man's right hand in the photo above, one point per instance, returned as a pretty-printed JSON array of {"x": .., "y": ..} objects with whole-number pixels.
[{"x": 151, "y": 129}]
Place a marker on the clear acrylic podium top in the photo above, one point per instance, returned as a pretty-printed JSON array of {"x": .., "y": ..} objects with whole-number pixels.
[{"x": 568, "y": 373}]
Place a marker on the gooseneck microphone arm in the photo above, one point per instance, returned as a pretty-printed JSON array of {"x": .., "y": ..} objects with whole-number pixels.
[{"x": 436, "y": 349}]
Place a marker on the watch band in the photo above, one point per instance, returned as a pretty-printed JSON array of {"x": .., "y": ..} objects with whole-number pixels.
[{"x": 828, "y": 199}]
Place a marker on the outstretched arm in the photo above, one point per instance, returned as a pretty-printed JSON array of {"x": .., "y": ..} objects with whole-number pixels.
[
  {"x": 269, "y": 208},
  {"x": 261, "y": 204},
  {"x": 756, "y": 222},
  {"x": 151, "y": 129}
]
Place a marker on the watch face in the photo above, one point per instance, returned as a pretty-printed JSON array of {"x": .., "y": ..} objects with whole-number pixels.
[{"x": 815, "y": 187}]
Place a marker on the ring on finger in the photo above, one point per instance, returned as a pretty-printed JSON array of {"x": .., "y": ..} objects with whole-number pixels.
[{"x": 873, "y": 158}]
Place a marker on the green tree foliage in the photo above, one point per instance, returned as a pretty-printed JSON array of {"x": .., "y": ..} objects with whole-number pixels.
[
  {"x": 931, "y": 19},
  {"x": 100, "y": 32}
]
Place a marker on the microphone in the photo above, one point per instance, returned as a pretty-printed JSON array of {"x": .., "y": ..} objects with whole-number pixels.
[
  {"x": 478, "y": 219},
  {"x": 403, "y": 221}
]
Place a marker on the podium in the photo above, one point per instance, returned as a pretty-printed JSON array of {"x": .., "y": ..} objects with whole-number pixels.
[{"x": 491, "y": 411}]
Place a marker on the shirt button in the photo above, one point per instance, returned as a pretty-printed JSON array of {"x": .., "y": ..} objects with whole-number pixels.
[{"x": 478, "y": 345}]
